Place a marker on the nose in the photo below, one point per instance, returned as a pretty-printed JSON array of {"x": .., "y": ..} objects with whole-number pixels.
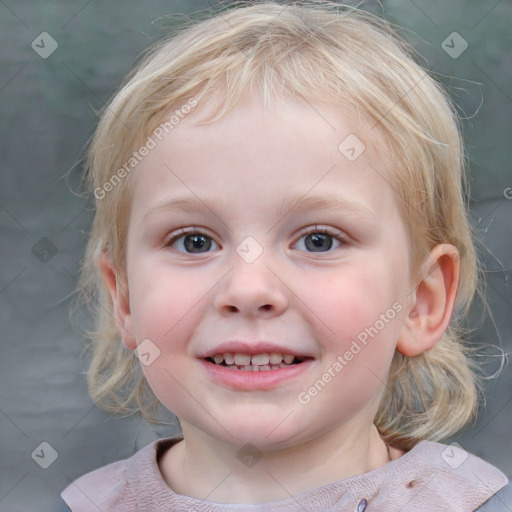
[{"x": 251, "y": 290}]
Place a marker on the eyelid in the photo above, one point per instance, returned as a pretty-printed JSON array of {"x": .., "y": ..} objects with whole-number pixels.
[
  {"x": 181, "y": 232},
  {"x": 337, "y": 234},
  {"x": 328, "y": 230}
]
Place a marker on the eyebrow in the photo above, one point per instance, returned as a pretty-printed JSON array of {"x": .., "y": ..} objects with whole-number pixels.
[
  {"x": 189, "y": 204},
  {"x": 185, "y": 204},
  {"x": 325, "y": 202}
]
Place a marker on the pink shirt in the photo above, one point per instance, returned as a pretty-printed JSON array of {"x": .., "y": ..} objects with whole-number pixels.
[{"x": 430, "y": 477}]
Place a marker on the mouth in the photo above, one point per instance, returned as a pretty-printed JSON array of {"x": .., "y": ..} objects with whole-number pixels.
[
  {"x": 255, "y": 362},
  {"x": 257, "y": 371}
]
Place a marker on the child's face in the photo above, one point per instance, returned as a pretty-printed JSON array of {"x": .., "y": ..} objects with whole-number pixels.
[{"x": 311, "y": 295}]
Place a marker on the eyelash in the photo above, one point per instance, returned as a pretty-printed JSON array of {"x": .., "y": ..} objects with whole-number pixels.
[{"x": 324, "y": 230}]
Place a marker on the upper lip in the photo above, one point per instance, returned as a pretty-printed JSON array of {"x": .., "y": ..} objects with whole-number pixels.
[{"x": 252, "y": 348}]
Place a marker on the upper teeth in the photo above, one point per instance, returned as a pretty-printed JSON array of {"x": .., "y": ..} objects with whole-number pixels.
[{"x": 256, "y": 359}]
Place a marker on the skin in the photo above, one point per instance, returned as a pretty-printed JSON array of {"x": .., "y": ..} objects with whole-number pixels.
[{"x": 246, "y": 165}]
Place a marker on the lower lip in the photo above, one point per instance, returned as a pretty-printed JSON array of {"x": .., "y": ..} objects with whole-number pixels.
[{"x": 249, "y": 380}]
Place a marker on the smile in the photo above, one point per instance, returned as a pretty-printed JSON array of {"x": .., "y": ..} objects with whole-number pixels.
[
  {"x": 256, "y": 362},
  {"x": 245, "y": 373}
]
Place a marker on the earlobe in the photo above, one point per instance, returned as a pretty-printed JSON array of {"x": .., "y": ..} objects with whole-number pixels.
[
  {"x": 434, "y": 300},
  {"x": 120, "y": 301}
]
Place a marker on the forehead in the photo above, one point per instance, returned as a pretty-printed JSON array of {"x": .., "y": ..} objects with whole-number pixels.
[{"x": 280, "y": 152}]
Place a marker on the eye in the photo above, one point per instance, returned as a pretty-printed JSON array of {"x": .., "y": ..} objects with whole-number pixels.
[
  {"x": 317, "y": 239},
  {"x": 191, "y": 241},
  {"x": 321, "y": 239}
]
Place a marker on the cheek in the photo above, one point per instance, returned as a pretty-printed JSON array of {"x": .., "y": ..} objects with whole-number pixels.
[
  {"x": 345, "y": 302},
  {"x": 166, "y": 309},
  {"x": 357, "y": 320},
  {"x": 163, "y": 303}
]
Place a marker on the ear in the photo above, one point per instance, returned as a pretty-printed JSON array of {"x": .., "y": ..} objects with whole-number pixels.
[
  {"x": 120, "y": 302},
  {"x": 433, "y": 301}
]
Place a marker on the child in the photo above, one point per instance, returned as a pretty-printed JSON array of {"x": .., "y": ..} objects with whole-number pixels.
[{"x": 282, "y": 244}]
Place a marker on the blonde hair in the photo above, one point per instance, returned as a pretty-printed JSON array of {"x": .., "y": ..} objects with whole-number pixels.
[{"x": 316, "y": 51}]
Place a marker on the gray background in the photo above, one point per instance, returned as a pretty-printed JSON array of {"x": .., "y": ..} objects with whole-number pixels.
[{"x": 47, "y": 113}]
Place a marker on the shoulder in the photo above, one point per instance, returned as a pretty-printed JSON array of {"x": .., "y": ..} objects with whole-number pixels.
[
  {"x": 499, "y": 501},
  {"x": 436, "y": 476},
  {"x": 115, "y": 487},
  {"x": 103, "y": 488}
]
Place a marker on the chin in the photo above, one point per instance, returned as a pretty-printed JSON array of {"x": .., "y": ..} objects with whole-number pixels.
[{"x": 270, "y": 433}]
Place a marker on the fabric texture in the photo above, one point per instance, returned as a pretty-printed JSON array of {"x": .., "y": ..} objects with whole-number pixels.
[
  {"x": 430, "y": 477},
  {"x": 500, "y": 502}
]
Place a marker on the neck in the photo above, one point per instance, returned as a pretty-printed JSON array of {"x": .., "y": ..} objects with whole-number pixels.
[{"x": 208, "y": 469}]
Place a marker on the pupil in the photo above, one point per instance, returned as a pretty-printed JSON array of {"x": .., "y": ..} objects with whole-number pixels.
[
  {"x": 195, "y": 243},
  {"x": 319, "y": 242}
]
